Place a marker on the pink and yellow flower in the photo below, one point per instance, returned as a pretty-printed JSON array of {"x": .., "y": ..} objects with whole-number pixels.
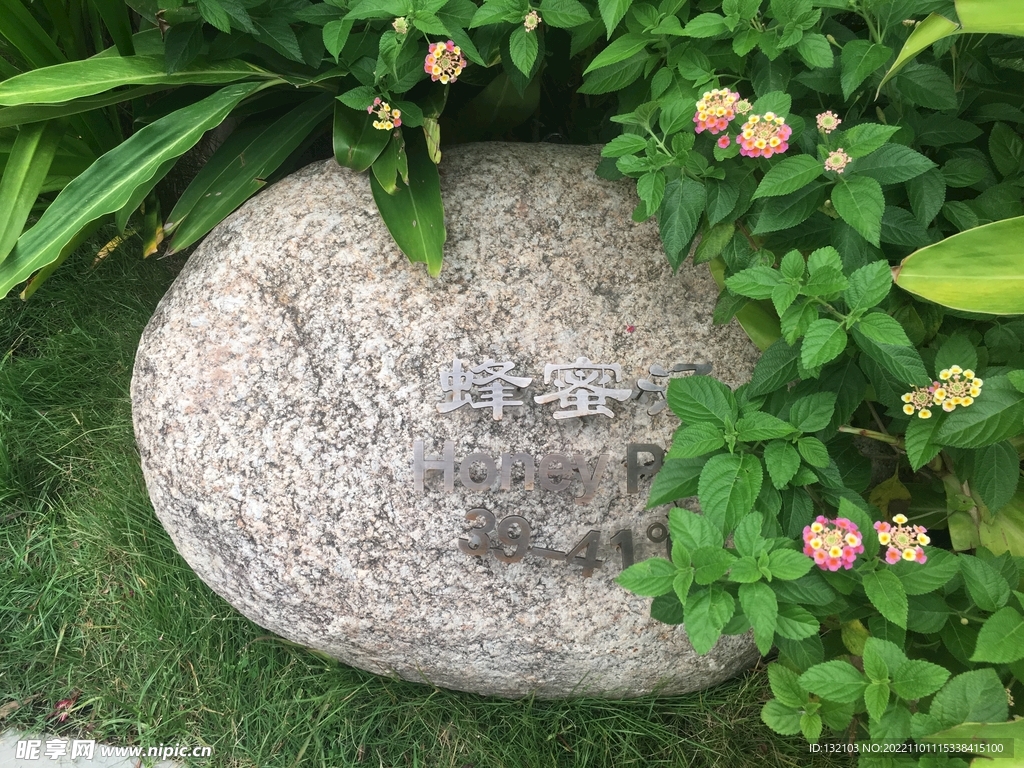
[
  {"x": 444, "y": 62},
  {"x": 764, "y": 135},
  {"x": 715, "y": 110},
  {"x": 723, "y": 141},
  {"x": 828, "y": 121},
  {"x": 833, "y": 544},
  {"x": 387, "y": 118},
  {"x": 903, "y": 542},
  {"x": 959, "y": 387}
]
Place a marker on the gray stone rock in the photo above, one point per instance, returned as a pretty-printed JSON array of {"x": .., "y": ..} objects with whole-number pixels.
[{"x": 282, "y": 383}]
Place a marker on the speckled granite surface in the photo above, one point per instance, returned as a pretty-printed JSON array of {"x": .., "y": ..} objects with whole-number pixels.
[{"x": 285, "y": 376}]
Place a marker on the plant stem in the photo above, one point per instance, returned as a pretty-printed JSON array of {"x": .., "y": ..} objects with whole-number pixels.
[{"x": 879, "y": 436}]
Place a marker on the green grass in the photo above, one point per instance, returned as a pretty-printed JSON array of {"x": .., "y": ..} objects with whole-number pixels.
[{"x": 94, "y": 599}]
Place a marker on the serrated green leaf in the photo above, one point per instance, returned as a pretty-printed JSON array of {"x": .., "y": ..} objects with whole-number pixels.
[
  {"x": 788, "y": 176},
  {"x": 860, "y": 202},
  {"x": 776, "y": 368},
  {"x": 729, "y": 484},
  {"x": 679, "y": 215},
  {"x": 788, "y": 564},
  {"x": 780, "y": 718},
  {"x": 648, "y": 578},
  {"x": 996, "y": 415},
  {"x": 782, "y": 461},
  {"x": 710, "y": 563},
  {"x": 692, "y": 530},
  {"x": 677, "y": 479},
  {"x": 786, "y": 685},
  {"x": 618, "y": 50},
  {"x": 868, "y": 286},
  {"x": 612, "y": 12},
  {"x": 795, "y": 623},
  {"x": 813, "y": 412},
  {"x": 876, "y": 699},
  {"x": 975, "y": 696},
  {"x": 696, "y": 440},
  {"x": 921, "y": 441},
  {"x": 759, "y": 426},
  {"x": 837, "y": 681},
  {"x": 893, "y": 163},
  {"x": 824, "y": 341},
  {"x": 865, "y": 138},
  {"x": 886, "y": 593},
  {"x": 1001, "y": 639},
  {"x": 858, "y": 60},
  {"x": 985, "y": 584},
  {"x": 707, "y": 612},
  {"x": 696, "y": 399},
  {"x": 996, "y": 474}
]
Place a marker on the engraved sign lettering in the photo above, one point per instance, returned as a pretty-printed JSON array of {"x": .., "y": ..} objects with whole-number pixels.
[
  {"x": 581, "y": 388},
  {"x": 490, "y": 378}
]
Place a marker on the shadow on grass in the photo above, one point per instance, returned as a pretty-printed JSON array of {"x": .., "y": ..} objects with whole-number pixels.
[{"x": 94, "y": 599}]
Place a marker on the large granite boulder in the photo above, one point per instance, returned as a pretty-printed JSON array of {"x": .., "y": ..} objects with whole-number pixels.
[{"x": 322, "y": 425}]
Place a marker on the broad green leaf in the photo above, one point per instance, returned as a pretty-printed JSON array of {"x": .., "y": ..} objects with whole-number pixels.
[
  {"x": 782, "y": 461},
  {"x": 697, "y": 399},
  {"x": 927, "y": 193},
  {"x": 786, "y": 685},
  {"x": 24, "y": 176},
  {"x": 926, "y": 86},
  {"x": 868, "y": 286},
  {"x": 813, "y": 412},
  {"x": 876, "y": 699},
  {"x": 824, "y": 341},
  {"x": 997, "y": 414},
  {"x": 245, "y": 174},
  {"x": 781, "y": 718},
  {"x": 626, "y": 144},
  {"x": 1006, "y": 149},
  {"x": 922, "y": 578},
  {"x": 921, "y": 441},
  {"x": 745, "y": 571},
  {"x": 903, "y": 362},
  {"x": 706, "y": 25},
  {"x": 865, "y": 138},
  {"x": 995, "y": 475},
  {"x": 710, "y": 563},
  {"x": 776, "y": 368},
  {"x": 946, "y": 272},
  {"x": 729, "y": 484},
  {"x": 813, "y": 451},
  {"x": 32, "y": 113},
  {"x": 691, "y": 530},
  {"x": 893, "y": 163},
  {"x": 883, "y": 329},
  {"x": 927, "y": 32},
  {"x": 815, "y": 50},
  {"x": 985, "y": 584},
  {"x": 415, "y": 214},
  {"x": 385, "y": 167},
  {"x": 620, "y": 49},
  {"x": 648, "y": 578},
  {"x": 755, "y": 282},
  {"x": 886, "y": 593},
  {"x": 335, "y": 35},
  {"x": 677, "y": 479},
  {"x": 523, "y": 47},
  {"x": 789, "y": 175},
  {"x": 1001, "y": 639},
  {"x": 612, "y": 12},
  {"x": 759, "y": 426},
  {"x": 860, "y": 202},
  {"x": 696, "y": 440},
  {"x": 108, "y": 184},
  {"x": 802, "y": 654},
  {"x": 564, "y": 14},
  {"x": 707, "y": 612},
  {"x": 747, "y": 539},
  {"x": 976, "y": 696},
  {"x": 915, "y": 679},
  {"x": 679, "y": 215},
  {"x": 682, "y": 582},
  {"x": 356, "y": 142},
  {"x": 788, "y": 564},
  {"x": 796, "y": 623},
  {"x": 837, "y": 681},
  {"x": 859, "y": 59},
  {"x": 76, "y": 79},
  {"x": 762, "y": 609}
]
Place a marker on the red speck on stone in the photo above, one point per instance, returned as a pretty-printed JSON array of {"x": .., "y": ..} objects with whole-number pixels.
[{"x": 630, "y": 328}]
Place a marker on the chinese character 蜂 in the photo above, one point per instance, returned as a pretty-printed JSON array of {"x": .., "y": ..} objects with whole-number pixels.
[
  {"x": 658, "y": 390},
  {"x": 581, "y": 388},
  {"x": 491, "y": 379}
]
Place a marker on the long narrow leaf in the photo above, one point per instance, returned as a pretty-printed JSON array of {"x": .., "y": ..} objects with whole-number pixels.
[
  {"x": 24, "y": 176},
  {"x": 140, "y": 194},
  {"x": 115, "y": 16},
  {"x": 25, "y": 34},
  {"x": 356, "y": 142},
  {"x": 109, "y": 182},
  {"x": 244, "y": 176},
  {"x": 77, "y": 79},
  {"x": 414, "y": 215},
  {"x": 40, "y": 277},
  {"x": 32, "y": 113}
]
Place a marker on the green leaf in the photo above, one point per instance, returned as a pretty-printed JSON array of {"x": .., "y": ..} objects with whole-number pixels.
[
  {"x": 747, "y": 538},
  {"x": 617, "y": 76},
  {"x": 788, "y": 564},
  {"x": 225, "y": 187},
  {"x": 729, "y": 484},
  {"x": 682, "y": 582},
  {"x": 696, "y": 399},
  {"x": 996, "y": 473},
  {"x": 893, "y": 163},
  {"x": 691, "y": 530},
  {"x": 108, "y": 184},
  {"x": 651, "y": 189},
  {"x": 813, "y": 412},
  {"x": 926, "y": 86},
  {"x": 786, "y": 685},
  {"x": 523, "y": 47},
  {"x": 626, "y": 144},
  {"x": 943, "y": 272},
  {"x": 21, "y": 29},
  {"x": 612, "y": 12},
  {"x": 927, "y": 32},
  {"x": 886, "y": 593},
  {"x": 780, "y": 718},
  {"x": 759, "y": 426},
  {"x": 876, "y": 699},
  {"x": 707, "y": 612},
  {"x": 976, "y": 696},
  {"x": 745, "y": 571},
  {"x": 755, "y": 282},
  {"x": 677, "y": 479},
  {"x": 782, "y": 461},
  {"x": 915, "y": 679},
  {"x": 335, "y": 35},
  {"x": 996, "y": 415},
  {"x": 667, "y": 609},
  {"x": 414, "y": 215},
  {"x": 882, "y": 329},
  {"x": 788, "y": 176},
  {"x": 868, "y": 286},
  {"x": 648, "y": 578},
  {"x": 696, "y": 440},
  {"x": 815, "y": 50},
  {"x": 1001, "y": 639},
  {"x": 564, "y": 14},
  {"x": 1006, "y": 149},
  {"x": 75, "y": 79},
  {"x": 795, "y": 623},
  {"x": 927, "y": 193},
  {"x": 921, "y": 441},
  {"x": 901, "y": 361},
  {"x": 789, "y": 210},
  {"x": 678, "y": 216},
  {"x": 710, "y": 563},
  {"x": 956, "y": 350},
  {"x": 618, "y": 50},
  {"x": 824, "y": 341},
  {"x": 922, "y": 578},
  {"x": 837, "y": 681},
  {"x": 706, "y": 25},
  {"x": 859, "y": 59},
  {"x": 24, "y": 176},
  {"x": 762, "y": 609},
  {"x": 986, "y": 586},
  {"x": 356, "y": 142},
  {"x": 776, "y": 368},
  {"x": 813, "y": 451},
  {"x": 865, "y": 138},
  {"x": 860, "y": 202}
]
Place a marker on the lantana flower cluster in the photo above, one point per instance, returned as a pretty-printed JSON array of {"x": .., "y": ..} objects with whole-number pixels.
[
  {"x": 833, "y": 544},
  {"x": 531, "y": 21},
  {"x": 827, "y": 121},
  {"x": 715, "y": 110},
  {"x": 904, "y": 541},
  {"x": 444, "y": 62},
  {"x": 957, "y": 386},
  {"x": 387, "y": 118},
  {"x": 764, "y": 135},
  {"x": 837, "y": 160}
]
